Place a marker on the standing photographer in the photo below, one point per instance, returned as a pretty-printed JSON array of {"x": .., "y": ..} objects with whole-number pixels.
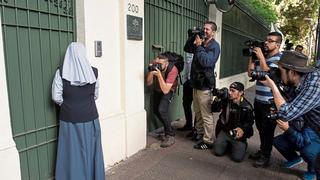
[
  {"x": 262, "y": 104},
  {"x": 206, "y": 51},
  {"x": 166, "y": 83},
  {"x": 305, "y": 105},
  {"x": 235, "y": 122}
]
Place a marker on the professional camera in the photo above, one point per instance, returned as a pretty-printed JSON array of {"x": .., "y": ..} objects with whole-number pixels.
[
  {"x": 273, "y": 73},
  {"x": 154, "y": 67},
  {"x": 252, "y": 44},
  {"x": 221, "y": 93},
  {"x": 233, "y": 133},
  {"x": 193, "y": 32},
  {"x": 273, "y": 117}
]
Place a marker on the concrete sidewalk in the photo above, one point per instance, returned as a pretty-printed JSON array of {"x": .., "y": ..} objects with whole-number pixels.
[{"x": 182, "y": 161}]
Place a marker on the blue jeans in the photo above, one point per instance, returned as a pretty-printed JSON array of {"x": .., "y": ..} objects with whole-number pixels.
[{"x": 308, "y": 152}]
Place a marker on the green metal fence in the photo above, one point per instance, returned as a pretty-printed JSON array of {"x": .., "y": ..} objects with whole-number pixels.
[
  {"x": 238, "y": 25},
  {"x": 35, "y": 34},
  {"x": 166, "y": 24}
]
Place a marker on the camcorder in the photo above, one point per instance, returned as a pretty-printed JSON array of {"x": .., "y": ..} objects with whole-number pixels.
[
  {"x": 193, "y": 32},
  {"x": 154, "y": 67},
  {"x": 251, "y": 44}
]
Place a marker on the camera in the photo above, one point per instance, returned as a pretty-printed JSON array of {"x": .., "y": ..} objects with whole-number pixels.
[
  {"x": 154, "y": 67},
  {"x": 221, "y": 93},
  {"x": 252, "y": 44},
  {"x": 233, "y": 133},
  {"x": 273, "y": 117},
  {"x": 193, "y": 32},
  {"x": 273, "y": 73}
]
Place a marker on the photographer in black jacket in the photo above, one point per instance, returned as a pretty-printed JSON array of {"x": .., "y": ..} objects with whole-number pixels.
[{"x": 235, "y": 122}]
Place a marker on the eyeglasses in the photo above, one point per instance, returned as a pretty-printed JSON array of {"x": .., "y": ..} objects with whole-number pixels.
[{"x": 270, "y": 41}]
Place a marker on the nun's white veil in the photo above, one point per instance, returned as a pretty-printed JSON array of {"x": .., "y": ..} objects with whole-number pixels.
[{"x": 76, "y": 67}]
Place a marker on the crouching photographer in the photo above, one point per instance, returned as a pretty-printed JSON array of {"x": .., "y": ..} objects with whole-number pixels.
[
  {"x": 165, "y": 75},
  {"x": 235, "y": 121},
  {"x": 303, "y": 105}
]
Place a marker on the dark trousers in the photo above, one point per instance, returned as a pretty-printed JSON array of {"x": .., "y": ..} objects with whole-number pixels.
[
  {"x": 318, "y": 167},
  {"x": 265, "y": 127},
  {"x": 309, "y": 152},
  {"x": 161, "y": 110},
  {"x": 224, "y": 140},
  {"x": 187, "y": 103}
]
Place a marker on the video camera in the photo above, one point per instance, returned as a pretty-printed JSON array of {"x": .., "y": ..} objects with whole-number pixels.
[
  {"x": 193, "y": 32},
  {"x": 252, "y": 44},
  {"x": 154, "y": 67}
]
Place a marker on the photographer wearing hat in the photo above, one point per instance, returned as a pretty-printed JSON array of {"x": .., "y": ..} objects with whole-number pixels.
[
  {"x": 304, "y": 104},
  {"x": 235, "y": 123}
]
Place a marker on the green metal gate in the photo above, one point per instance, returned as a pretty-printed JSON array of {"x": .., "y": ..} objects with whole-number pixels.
[
  {"x": 166, "y": 24},
  {"x": 35, "y": 34},
  {"x": 238, "y": 25}
]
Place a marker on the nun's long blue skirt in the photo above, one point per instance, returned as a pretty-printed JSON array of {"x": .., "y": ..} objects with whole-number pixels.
[{"x": 79, "y": 155}]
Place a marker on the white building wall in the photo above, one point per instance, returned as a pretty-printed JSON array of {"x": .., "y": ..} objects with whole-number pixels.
[
  {"x": 121, "y": 75},
  {"x": 9, "y": 157}
]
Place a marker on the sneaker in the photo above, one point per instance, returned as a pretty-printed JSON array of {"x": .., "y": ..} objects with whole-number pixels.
[
  {"x": 202, "y": 145},
  {"x": 263, "y": 161},
  {"x": 291, "y": 164},
  {"x": 161, "y": 137},
  {"x": 256, "y": 155},
  {"x": 169, "y": 140},
  {"x": 309, "y": 176}
]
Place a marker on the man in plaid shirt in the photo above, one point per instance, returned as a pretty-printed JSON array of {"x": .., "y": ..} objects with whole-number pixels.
[{"x": 303, "y": 107}]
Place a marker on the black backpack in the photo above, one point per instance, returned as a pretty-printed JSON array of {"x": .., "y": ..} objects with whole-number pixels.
[{"x": 174, "y": 60}]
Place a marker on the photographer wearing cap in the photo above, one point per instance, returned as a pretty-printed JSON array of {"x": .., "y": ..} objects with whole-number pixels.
[
  {"x": 303, "y": 104},
  {"x": 262, "y": 103},
  {"x": 206, "y": 52},
  {"x": 235, "y": 123},
  {"x": 165, "y": 75}
]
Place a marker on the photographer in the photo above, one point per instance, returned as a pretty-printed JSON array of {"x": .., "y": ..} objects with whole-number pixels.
[
  {"x": 304, "y": 105},
  {"x": 206, "y": 52},
  {"x": 262, "y": 104},
  {"x": 165, "y": 75},
  {"x": 235, "y": 123}
]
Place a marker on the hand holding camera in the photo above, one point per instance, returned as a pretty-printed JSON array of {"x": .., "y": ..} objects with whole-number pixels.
[
  {"x": 198, "y": 41},
  {"x": 236, "y": 133}
]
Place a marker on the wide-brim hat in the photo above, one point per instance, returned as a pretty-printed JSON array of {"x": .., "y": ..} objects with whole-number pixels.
[{"x": 295, "y": 61}]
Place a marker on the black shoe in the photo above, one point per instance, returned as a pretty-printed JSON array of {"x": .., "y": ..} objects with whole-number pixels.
[
  {"x": 185, "y": 128},
  {"x": 262, "y": 162},
  {"x": 256, "y": 155},
  {"x": 202, "y": 145}
]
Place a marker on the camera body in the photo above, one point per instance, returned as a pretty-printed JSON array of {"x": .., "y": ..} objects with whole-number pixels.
[
  {"x": 222, "y": 93},
  {"x": 233, "y": 133},
  {"x": 252, "y": 44},
  {"x": 273, "y": 73},
  {"x": 154, "y": 67},
  {"x": 193, "y": 32}
]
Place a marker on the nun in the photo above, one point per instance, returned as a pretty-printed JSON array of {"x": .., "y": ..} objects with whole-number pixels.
[{"x": 75, "y": 89}]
